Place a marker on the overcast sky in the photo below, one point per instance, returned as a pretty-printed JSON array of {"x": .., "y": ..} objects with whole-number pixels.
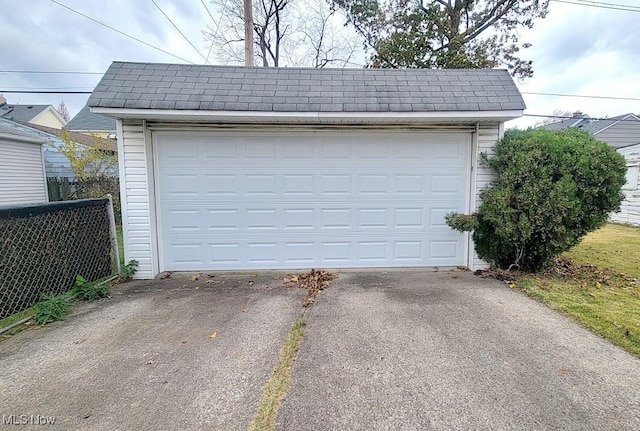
[{"x": 577, "y": 49}]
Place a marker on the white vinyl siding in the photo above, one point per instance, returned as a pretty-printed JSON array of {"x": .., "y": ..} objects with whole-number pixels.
[
  {"x": 135, "y": 184},
  {"x": 487, "y": 137},
  {"x": 630, "y": 207},
  {"x": 22, "y": 179}
]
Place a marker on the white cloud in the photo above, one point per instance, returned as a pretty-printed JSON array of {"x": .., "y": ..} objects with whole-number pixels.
[{"x": 587, "y": 51}]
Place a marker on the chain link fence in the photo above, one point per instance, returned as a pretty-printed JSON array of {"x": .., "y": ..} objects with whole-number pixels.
[{"x": 43, "y": 248}]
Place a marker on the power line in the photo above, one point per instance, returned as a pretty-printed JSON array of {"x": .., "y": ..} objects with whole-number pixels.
[
  {"x": 51, "y": 72},
  {"x": 119, "y": 31},
  {"x": 602, "y": 5},
  {"x": 224, "y": 5},
  {"x": 581, "y": 95},
  {"x": 176, "y": 27}
]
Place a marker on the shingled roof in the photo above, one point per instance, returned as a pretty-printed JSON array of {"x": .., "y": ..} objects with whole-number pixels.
[
  {"x": 90, "y": 122},
  {"x": 227, "y": 88},
  {"x": 24, "y": 113}
]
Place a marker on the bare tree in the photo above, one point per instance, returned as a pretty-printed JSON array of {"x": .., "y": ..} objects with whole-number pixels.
[
  {"x": 323, "y": 39},
  {"x": 63, "y": 111},
  {"x": 286, "y": 33},
  {"x": 558, "y": 115},
  {"x": 270, "y": 29}
]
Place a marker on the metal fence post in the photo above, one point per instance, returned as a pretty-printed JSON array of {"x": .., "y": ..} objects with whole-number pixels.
[{"x": 114, "y": 236}]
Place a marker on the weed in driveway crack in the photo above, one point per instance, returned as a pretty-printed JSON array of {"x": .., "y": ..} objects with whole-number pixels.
[{"x": 277, "y": 386}]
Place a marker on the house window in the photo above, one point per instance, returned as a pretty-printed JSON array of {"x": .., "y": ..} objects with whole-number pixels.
[{"x": 632, "y": 178}]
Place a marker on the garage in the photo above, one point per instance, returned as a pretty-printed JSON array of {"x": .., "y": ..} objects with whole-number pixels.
[
  {"x": 236, "y": 168},
  {"x": 276, "y": 200}
]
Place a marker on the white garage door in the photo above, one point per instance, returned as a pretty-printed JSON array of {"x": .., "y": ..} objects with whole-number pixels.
[{"x": 314, "y": 199}]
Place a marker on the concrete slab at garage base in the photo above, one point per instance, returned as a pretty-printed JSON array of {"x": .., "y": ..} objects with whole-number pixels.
[
  {"x": 144, "y": 360},
  {"x": 420, "y": 350}
]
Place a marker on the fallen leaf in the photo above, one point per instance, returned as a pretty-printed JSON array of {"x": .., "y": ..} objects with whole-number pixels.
[
  {"x": 80, "y": 341},
  {"x": 214, "y": 335},
  {"x": 564, "y": 371},
  {"x": 592, "y": 294}
]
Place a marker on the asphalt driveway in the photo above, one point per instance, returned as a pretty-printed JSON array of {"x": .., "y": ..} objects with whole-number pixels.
[
  {"x": 383, "y": 350},
  {"x": 450, "y": 351},
  {"x": 145, "y": 359}
]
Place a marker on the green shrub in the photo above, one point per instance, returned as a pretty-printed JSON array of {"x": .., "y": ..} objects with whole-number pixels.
[
  {"x": 52, "y": 308},
  {"x": 549, "y": 189},
  {"x": 127, "y": 271},
  {"x": 90, "y": 291}
]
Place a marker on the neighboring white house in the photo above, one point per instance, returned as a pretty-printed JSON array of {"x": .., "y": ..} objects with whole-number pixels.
[
  {"x": 57, "y": 165},
  {"x": 22, "y": 174},
  {"x": 630, "y": 208},
  {"x": 620, "y": 131},
  {"x": 226, "y": 168}
]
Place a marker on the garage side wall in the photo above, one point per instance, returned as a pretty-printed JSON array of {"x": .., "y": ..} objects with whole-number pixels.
[
  {"x": 488, "y": 135},
  {"x": 136, "y": 197}
]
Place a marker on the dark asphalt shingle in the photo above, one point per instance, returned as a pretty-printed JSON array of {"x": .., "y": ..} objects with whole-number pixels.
[
  {"x": 231, "y": 88},
  {"x": 88, "y": 121}
]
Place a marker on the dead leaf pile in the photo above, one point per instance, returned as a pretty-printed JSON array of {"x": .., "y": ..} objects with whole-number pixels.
[
  {"x": 566, "y": 268},
  {"x": 314, "y": 281}
]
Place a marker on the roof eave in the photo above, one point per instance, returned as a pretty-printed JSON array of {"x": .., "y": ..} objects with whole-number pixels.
[
  {"x": 310, "y": 117},
  {"x": 18, "y": 138}
]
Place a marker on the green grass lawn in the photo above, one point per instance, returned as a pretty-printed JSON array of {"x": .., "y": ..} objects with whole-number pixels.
[{"x": 602, "y": 291}]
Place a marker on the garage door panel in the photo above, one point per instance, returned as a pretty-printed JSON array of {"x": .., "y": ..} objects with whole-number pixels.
[
  {"x": 248, "y": 201},
  {"x": 298, "y": 185},
  {"x": 311, "y": 218},
  {"x": 443, "y": 250},
  {"x": 299, "y": 254},
  {"x": 335, "y": 184},
  {"x": 220, "y": 185}
]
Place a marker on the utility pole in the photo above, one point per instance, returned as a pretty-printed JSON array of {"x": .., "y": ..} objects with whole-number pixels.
[{"x": 248, "y": 33}]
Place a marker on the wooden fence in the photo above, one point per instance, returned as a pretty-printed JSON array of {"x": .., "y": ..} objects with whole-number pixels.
[{"x": 65, "y": 189}]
